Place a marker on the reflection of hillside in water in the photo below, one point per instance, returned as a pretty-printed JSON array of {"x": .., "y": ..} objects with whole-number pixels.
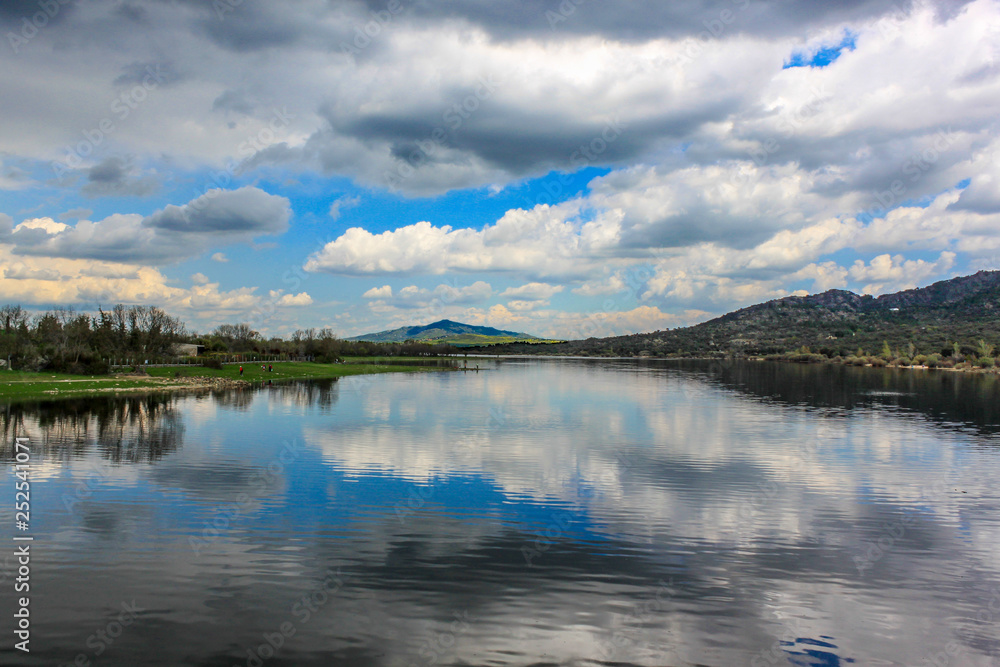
[
  {"x": 125, "y": 429},
  {"x": 947, "y": 398}
]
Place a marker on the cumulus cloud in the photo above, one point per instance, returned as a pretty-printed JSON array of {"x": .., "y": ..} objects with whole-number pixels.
[
  {"x": 441, "y": 297},
  {"x": 169, "y": 235},
  {"x": 533, "y": 291},
  {"x": 300, "y": 299},
  {"x": 730, "y": 177},
  {"x": 892, "y": 273},
  {"x": 537, "y": 242},
  {"x": 383, "y": 292},
  {"x": 87, "y": 284}
]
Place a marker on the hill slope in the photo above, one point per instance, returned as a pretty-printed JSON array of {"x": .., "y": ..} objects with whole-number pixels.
[
  {"x": 447, "y": 331},
  {"x": 961, "y": 310}
]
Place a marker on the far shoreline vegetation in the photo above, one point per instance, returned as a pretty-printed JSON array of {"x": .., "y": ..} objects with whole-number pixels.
[
  {"x": 950, "y": 325},
  {"x": 141, "y": 348}
]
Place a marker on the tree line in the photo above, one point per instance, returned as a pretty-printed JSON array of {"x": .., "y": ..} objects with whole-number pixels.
[{"x": 67, "y": 341}]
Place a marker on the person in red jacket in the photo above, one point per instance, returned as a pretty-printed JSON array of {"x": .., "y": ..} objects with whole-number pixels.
[{"x": 241, "y": 371}]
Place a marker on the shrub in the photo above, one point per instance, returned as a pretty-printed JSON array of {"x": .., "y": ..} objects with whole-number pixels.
[
  {"x": 212, "y": 362},
  {"x": 97, "y": 367},
  {"x": 860, "y": 361},
  {"x": 877, "y": 362},
  {"x": 987, "y": 362},
  {"x": 920, "y": 360},
  {"x": 947, "y": 363}
]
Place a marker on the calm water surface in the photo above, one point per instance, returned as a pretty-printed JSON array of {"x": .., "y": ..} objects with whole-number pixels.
[{"x": 561, "y": 512}]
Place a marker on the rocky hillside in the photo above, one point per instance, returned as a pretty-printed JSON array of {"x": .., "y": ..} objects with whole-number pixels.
[{"x": 835, "y": 322}]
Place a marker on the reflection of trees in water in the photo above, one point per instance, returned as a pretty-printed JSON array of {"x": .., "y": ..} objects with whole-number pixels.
[
  {"x": 304, "y": 393},
  {"x": 944, "y": 397},
  {"x": 314, "y": 393},
  {"x": 236, "y": 399},
  {"x": 129, "y": 429}
]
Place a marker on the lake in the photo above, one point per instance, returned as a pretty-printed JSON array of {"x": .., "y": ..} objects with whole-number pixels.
[{"x": 538, "y": 512}]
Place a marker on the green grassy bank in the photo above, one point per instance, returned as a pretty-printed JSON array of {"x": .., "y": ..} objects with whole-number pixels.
[{"x": 19, "y": 385}]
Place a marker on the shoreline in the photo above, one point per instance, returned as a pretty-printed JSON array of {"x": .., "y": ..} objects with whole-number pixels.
[
  {"x": 827, "y": 362},
  {"x": 16, "y": 386}
]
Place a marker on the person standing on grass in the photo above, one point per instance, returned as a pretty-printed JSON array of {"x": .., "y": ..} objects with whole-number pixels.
[{"x": 241, "y": 371}]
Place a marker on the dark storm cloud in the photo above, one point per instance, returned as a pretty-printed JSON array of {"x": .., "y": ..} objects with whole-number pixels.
[
  {"x": 521, "y": 141},
  {"x": 117, "y": 177},
  {"x": 254, "y": 25},
  {"x": 235, "y": 101},
  {"x": 14, "y": 12},
  {"x": 247, "y": 210},
  {"x": 650, "y": 19}
]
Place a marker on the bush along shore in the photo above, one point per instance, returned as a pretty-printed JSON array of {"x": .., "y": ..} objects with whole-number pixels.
[{"x": 978, "y": 358}]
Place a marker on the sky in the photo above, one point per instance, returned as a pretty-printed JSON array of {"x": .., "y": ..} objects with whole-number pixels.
[{"x": 566, "y": 168}]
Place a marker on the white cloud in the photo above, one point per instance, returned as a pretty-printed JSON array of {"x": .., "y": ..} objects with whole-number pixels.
[
  {"x": 169, "y": 235},
  {"x": 893, "y": 273},
  {"x": 533, "y": 291},
  {"x": 199, "y": 279},
  {"x": 520, "y": 305},
  {"x": 442, "y": 297},
  {"x": 336, "y": 208},
  {"x": 300, "y": 299},
  {"x": 383, "y": 292},
  {"x": 731, "y": 178}
]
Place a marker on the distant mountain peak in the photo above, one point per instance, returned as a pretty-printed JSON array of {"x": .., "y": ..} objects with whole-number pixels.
[{"x": 444, "y": 331}]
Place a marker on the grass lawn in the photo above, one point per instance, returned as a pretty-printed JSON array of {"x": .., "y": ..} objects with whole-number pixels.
[{"x": 19, "y": 384}]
